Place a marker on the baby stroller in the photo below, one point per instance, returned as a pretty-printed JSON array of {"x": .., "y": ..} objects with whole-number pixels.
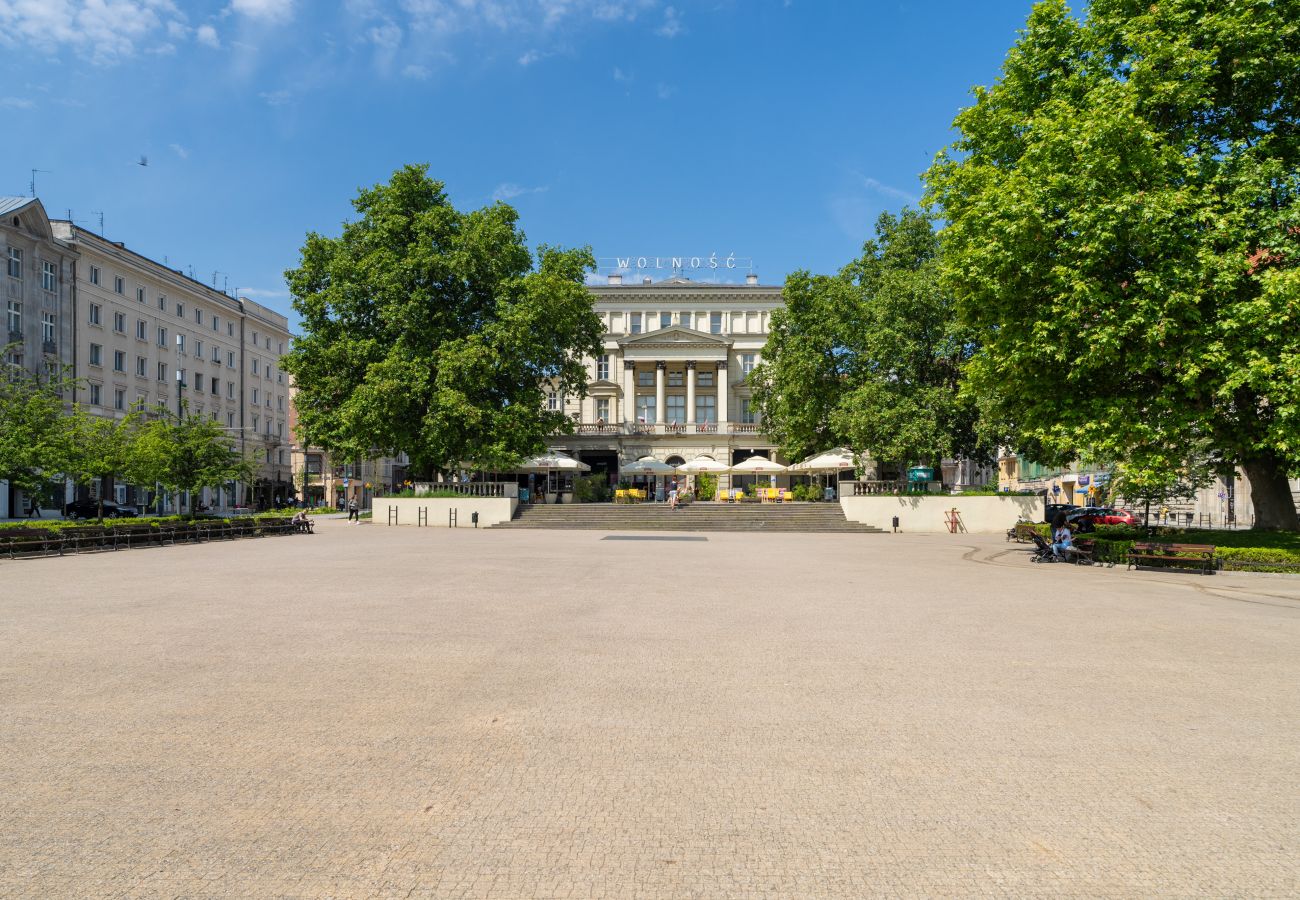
[{"x": 1042, "y": 550}]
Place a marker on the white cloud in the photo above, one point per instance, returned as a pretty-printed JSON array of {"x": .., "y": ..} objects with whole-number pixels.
[
  {"x": 104, "y": 31},
  {"x": 17, "y": 103},
  {"x": 207, "y": 36},
  {"x": 416, "y": 72},
  {"x": 179, "y": 151},
  {"x": 275, "y": 98},
  {"x": 271, "y": 11},
  {"x": 664, "y": 91},
  {"x": 878, "y": 187},
  {"x": 620, "y": 75},
  {"x": 531, "y": 57},
  {"x": 509, "y": 191},
  {"x": 261, "y": 293},
  {"x": 672, "y": 23}
]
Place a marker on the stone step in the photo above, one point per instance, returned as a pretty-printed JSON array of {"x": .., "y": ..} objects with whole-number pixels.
[{"x": 794, "y": 517}]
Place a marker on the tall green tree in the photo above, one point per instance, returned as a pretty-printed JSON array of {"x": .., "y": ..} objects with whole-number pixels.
[
  {"x": 430, "y": 331},
  {"x": 871, "y": 357},
  {"x": 98, "y": 447},
  {"x": 33, "y": 436},
  {"x": 186, "y": 453},
  {"x": 1124, "y": 239}
]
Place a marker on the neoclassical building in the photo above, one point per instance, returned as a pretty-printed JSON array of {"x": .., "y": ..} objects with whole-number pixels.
[{"x": 671, "y": 382}]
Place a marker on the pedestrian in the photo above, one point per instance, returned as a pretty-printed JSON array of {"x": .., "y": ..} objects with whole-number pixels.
[
  {"x": 354, "y": 511},
  {"x": 1062, "y": 537},
  {"x": 672, "y": 495}
]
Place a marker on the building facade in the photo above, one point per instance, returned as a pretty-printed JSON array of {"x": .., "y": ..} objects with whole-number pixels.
[
  {"x": 671, "y": 380},
  {"x": 140, "y": 334},
  {"x": 324, "y": 481}
]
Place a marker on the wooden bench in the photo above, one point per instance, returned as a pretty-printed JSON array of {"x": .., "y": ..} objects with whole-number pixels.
[
  {"x": 1022, "y": 533},
  {"x": 133, "y": 535},
  {"x": 30, "y": 540},
  {"x": 93, "y": 537},
  {"x": 1082, "y": 551},
  {"x": 1148, "y": 553},
  {"x": 276, "y": 525}
]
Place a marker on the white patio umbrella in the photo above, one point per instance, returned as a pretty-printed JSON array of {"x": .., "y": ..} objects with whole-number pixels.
[
  {"x": 757, "y": 465},
  {"x": 828, "y": 461},
  {"x": 553, "y": 460},
  {"x": 647, "y": 465},
  {"x": 703, "y": 464}
]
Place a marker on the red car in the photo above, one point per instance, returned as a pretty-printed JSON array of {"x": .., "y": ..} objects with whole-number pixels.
[{"x": 1091, "y": 516}]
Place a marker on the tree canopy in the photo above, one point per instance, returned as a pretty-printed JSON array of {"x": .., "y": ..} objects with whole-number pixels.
[
  {"x": 430, "y": 331},
  {"x": 185, "y": 453},
  {"x": 870, "y": 357},
  {"x": 33, "y": 433},
  {"x": 1123, "y": 237}
]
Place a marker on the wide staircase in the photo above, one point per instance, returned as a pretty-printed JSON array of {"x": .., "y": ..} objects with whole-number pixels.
[{"x": 773, "y": 517}]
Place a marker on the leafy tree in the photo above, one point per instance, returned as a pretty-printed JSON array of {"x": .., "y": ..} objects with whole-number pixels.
[
  {"x": 186, "y": 453},
  {"x": 870, "y": 358},
  {"x": 1124, "y": 239},
  {"x": 97, "y": 447},
  {"x": 33, "y": 438},
  {"x": 427, "y": 330}
]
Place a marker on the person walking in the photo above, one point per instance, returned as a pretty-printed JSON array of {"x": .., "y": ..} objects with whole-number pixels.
[
  {"x": 354, "y": 511},
  {"x": 672, "y": 495}
]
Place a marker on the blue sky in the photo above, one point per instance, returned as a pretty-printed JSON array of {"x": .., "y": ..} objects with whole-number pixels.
[{"x": 771, "y": 129}]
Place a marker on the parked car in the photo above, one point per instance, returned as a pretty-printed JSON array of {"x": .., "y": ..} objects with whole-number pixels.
[
  {"x": 1054, "y": 509},
  {"x": 1088, "y": 517},
  {"x": 89, "y": 509}
]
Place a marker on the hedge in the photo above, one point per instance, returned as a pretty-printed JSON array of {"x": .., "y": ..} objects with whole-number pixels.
[{"x": 1243, "y": 551}]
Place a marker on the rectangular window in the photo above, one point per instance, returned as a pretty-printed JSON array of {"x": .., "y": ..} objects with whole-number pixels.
[
  {"x": 216, "y": 354},
  {"x": 94, "y": 274},
  {"x": 119, "y": 284},
  {"x": 686, "y": 320},
  {"x": 676, "y": 378},
  {"x": 230, "y": 420},
  {"x": 645, "y": 408},
  {"x": 95, "y": 312},
  {"x": 552, "y": 400},
  {"x": 254, "y": 338},
  {"x": 254, "y": 396},
  {"x": 95, "y": 395},
  {"x": 15, "y": 315},
  {"x": 141, "y": 366},
  {"x": 706, "y": 408},
  {"x": 748, "y": 414},
  {"x": 602, "y": 409},
  {"x": 180, "y": 343},
  {"x": 119, "y": 398},
  {"x": 198, "y": 348},
  {"x": 119, "y": 323},
  {"x": 602, "y": 367},
  {"x": 715, "y": 323},
  {"x": 636, "y": 323},
  {"x": 216, "y": 386},
  {"x": 230, "y": 359},
  {"x": 747, "y": 361},
  {"x": 645, "y": 379},
  {"x": 48, "y": 325},
  {"x": 704, "y": 379},
  {"x": 119, "y": 361},
  {"x": 255, "y": 421},
  {"x": 279, "y": 403},
  {"x": 162, "y": 337},
  {"x": 139, "y": 295},
  {"x": 665, "y": 319},
  {"x": 230, "y": 329},
  {"x": 49, "y": 276},
  {"x": 141, "y": 329},
  {"x": 15, "y": 262},
  {"x": 255, "y": 367},
  {"x": 162, "y": 371},
  {"x": 230, "y": 390},
  {"x": 180, "y": 310},
  {"x": 162, "y": 302},
  {"x": 198, "y": 316},
  {"x": 676, "y": 409},
  {"x": 215, "y": 323}
]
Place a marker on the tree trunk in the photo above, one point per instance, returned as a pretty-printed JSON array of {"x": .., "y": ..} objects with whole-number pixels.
[{"x": 1270, "y": 492}]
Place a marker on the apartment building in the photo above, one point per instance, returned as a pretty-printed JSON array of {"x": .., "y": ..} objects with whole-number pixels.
[{"x": 141, "y": 334}]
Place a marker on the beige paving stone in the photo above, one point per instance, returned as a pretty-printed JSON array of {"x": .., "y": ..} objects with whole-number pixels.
[{"x": 374, "y": 712}]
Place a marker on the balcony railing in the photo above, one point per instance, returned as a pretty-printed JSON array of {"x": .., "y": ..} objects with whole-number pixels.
[
  {"x": 469, "y": 488},
  {"x": 744, "y": 428},
  {"x": 868, "y": 488},
  {"x": 15, "y": 337},
  {"x": 649, "y": 428},
  {"x": 600, "y": 428},
  {"x": 49, "y": 347}
]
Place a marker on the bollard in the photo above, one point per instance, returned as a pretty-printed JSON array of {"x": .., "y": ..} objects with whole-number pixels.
[
  {"x": 474, "y": 518},
  {"x": 895, "y": 524}
]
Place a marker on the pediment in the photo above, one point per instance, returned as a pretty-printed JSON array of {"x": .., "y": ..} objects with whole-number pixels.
[
  {"x": 676, "y": 334},
  {"x": 30, "y": 212}
]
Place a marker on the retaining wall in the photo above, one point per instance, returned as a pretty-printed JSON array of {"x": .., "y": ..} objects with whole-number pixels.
[
  {"x": 491, "y": 510},
  {"x": 926, "y": 513}
]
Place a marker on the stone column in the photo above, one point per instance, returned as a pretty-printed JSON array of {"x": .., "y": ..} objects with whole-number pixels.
[
  {"x": 661, "y": 368},
  {"x": 723, "y": 390},
  {"x": 690, "y": 392},
  {"x": 629, "y": 391}
]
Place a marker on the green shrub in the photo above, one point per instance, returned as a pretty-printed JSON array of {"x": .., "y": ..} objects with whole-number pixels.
[
  {"x": 706, "y": 486},
  {"x": 591, "y": 489}
]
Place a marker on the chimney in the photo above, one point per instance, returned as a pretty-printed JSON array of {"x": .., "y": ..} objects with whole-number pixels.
[
  {"x": 615, "y": 279},
  {"x": 645, "y": 280},
  {"x": 751, "y": 278}
]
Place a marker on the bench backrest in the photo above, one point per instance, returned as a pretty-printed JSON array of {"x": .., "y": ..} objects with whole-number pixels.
[
  {"x": 26, "y": 533},
  {"x": 1174, "y": 548}
]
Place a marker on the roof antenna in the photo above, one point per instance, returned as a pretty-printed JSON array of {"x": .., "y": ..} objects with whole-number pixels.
[
  {"x": 33, "y": 184},
  {"x": 100, "y": 213}
]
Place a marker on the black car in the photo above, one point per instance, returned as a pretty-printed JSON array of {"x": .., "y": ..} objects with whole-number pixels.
[
  {"x": 1052, "y": 510},
  {"x": 89, "y": 509}
]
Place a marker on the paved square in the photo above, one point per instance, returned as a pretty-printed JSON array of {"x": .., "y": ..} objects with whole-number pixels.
[{"x": 422, "y": 713}]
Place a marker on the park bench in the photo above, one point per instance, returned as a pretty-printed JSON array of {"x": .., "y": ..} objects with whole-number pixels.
[
  {"x": 88, "y": 537},
  {"x": 1151, "y": 554},
  {"x": 1022, "y": 533},
  {"x": 1082, "y": 552},
  {"x": 276, "y": 525},
  {"x": 17, "y": 541},
  {"x": 129, "y": 536}
]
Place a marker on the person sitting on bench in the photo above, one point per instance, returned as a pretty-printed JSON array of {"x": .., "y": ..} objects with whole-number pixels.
[
  {"x": 301, "y": 524},
  {"x": 1062, "y": 537}
]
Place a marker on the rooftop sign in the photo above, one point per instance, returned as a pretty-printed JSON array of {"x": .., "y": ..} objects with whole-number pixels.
[{"x": 673, "y": 263}]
